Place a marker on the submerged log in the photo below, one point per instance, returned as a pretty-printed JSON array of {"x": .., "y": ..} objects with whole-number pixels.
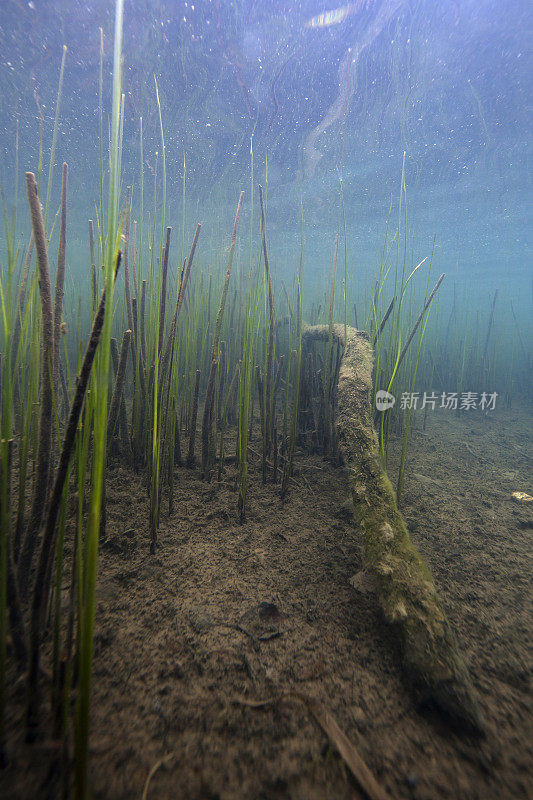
[{"x": 406, "y": 592}]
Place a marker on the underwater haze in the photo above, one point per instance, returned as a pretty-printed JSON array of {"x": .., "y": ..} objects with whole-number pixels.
[
  {"x": 266, "y": 394},
  {"x": 318, "y": 90}
]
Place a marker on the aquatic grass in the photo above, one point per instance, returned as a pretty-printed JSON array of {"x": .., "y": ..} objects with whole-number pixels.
[
  {"x": 117, "y": 396},
  {"x": 210, "y": 391},
  {"x": 400, "y": 349},
  {"x": 54, "y": 137},
  {"x": 100, "y": 389},
  {"x": 250, "y": 333},
  {"x": 159, "y": 301},
  {"x": 246, "y": 372},
  {"x": 101, "y": 124},
  {"x": 39, "y": 501},
  {"x": 269, "y": 411},
  {"x": 170, "y": 368},
  {"x": 21, "y": 302},
  {"x": 345, "y": 282},
  {"x": 227, "y": 404},
  {"x": 26, "y": 388},
  {"x": 7, "y": 390},
  {"x": 296, "y": 367},
  {"x": 57, "y": 505},
  {"x": 328, "y": 378},
  {"x": 207, "y": 352},
  {"x": 294, "y": 363},
  {"x": 414, "y": 369},
  {"x": 60, "y": 279}
]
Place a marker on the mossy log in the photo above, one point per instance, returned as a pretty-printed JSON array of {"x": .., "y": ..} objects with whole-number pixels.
[{"x": 406, "y": 592}]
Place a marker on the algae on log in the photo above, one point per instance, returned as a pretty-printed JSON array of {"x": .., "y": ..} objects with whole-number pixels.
[{"x": 406, "y": 592}]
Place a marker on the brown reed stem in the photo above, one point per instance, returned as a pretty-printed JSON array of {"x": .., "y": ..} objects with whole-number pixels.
[
  {"x": 16, "y": 618},
  {"x": 287, "y": 470},
  {"x": 39, "y": 501},
  {"x": 94, "y": 282},
  {"x": 311, "y": 425},
  {"x": 177, "y": 438},
  {"x": 221, "y": 381},
  {"x": 184, "y": 277},
  {"x": 261, "y": 393},
  {"x": 143, "y": 323},
  {"x": 135, "y": 323},
  {"x": 231, "y": 406},
  {"x": 134, "y": 259},
  {"x": 126, "y": 258},
  {"x": 419, "y": 320},
  {"x": 383, "y": 321},
  {"x": 122, "y": 418},
  {"x": 267, "y": 434},
  {"x": 275, "y": 465},
  {"x": 210, "y": 393},
  {"x": 127, "y": 291},
  {"x": 323, "y": 427},
  {"x": 91, "y": 243},
  {"x": 41, "y": 587},
  {"x": 163, "y": 302},
  {"x": 174, "y": 454},
  {"x": 207, "y": 421},
  {"x": 60, "y": 275},
  {"x": 277, "y": 380},
  {"x": 489, "y": 329},
  {"x": 134, "y": 344},
  {"x": 21, "y": 303},
  {"x": 519, "y": 334},
  {"x": 116, "y": 398},
  {"x": 194, "y": 416}
]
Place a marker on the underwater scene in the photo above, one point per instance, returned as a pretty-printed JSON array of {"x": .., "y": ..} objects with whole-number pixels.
[{"x": 266, "y": 399}]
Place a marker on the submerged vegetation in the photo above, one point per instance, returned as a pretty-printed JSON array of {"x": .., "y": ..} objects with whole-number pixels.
[{"x": 213, "y": 369}]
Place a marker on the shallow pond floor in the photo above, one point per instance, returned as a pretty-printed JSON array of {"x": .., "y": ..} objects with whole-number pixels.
[{"x": 225, "y": 614}]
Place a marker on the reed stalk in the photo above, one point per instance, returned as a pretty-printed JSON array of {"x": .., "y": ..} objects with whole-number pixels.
[
  {"x": 328, "y": 380},
  {"x": 194, "y": 416},
  {"x": 418, "y": 321},
  {"x": 427, "y": 304},
  {"x": 210, "y": 393},
  {"x": 122, "y": 414},
  {"x": 87, "y": 610},
  {"x": 116, "y": 398},
  {"x": 21, "y": 302},
  {"x": 127, "y": 289},
  {"x": 246, "y": 394},
  {"x": 489, "y": 327},
  {"x": 54, "y": 135},
  {"x": 60, "y": 275},
  {"x": 159, "y": 306},
  {"x": 268, "y": 409},
  {"x": 6, "y": 453},
  {"x": 39, "y": 502},
  {"x": 41, "y": 586},
  {"x": 296, "y": 368},
  {"x": 383, "y": 321},
  {"x": 164, "y": 273}
]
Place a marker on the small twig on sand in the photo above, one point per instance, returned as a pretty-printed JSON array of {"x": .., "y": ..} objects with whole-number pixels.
[
  {"x": 337, "y": 737},
  {"x": 153, "y": 771}
]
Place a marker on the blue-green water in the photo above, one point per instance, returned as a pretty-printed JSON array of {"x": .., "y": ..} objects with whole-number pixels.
[
  {"x": 391, "y": 141},
  {"x": 318, "y": 95}
]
